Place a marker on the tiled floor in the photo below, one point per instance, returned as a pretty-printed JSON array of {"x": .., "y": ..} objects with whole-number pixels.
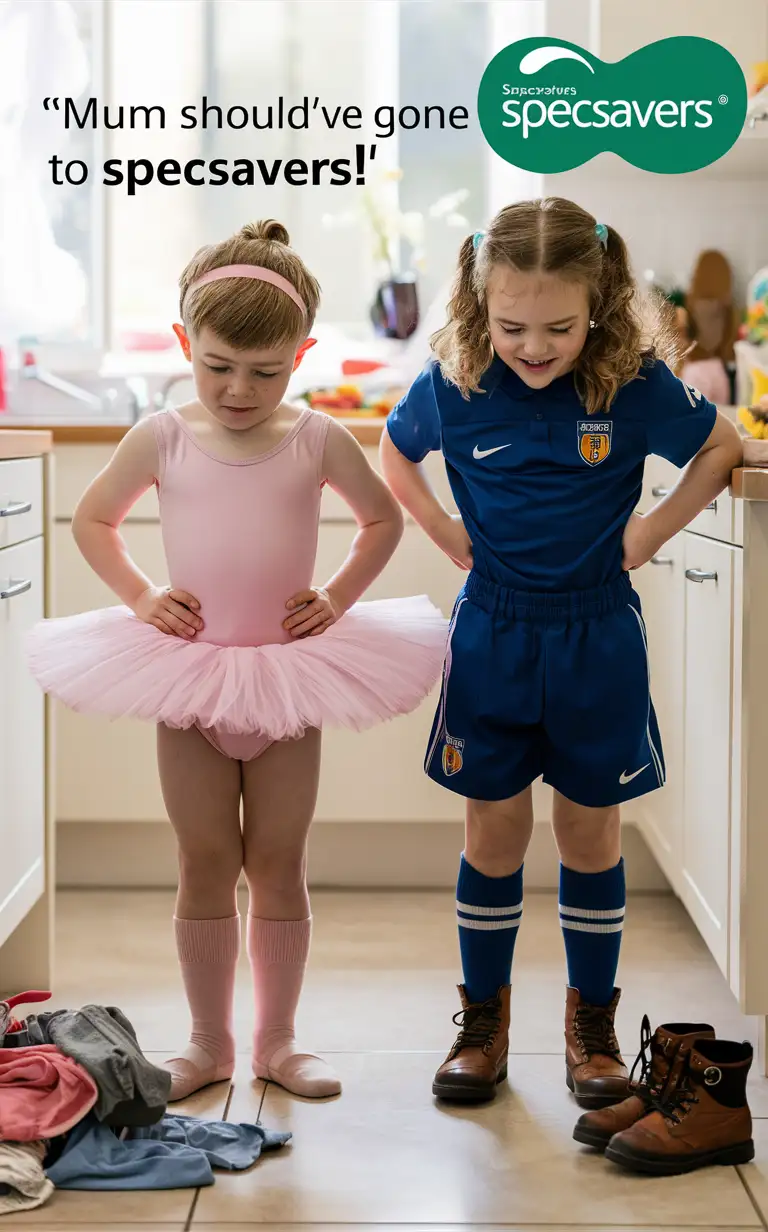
[{"x": 384, "y": 1157}]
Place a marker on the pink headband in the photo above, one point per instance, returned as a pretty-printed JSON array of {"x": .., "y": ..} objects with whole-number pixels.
[{"x": 250, "y": 271}]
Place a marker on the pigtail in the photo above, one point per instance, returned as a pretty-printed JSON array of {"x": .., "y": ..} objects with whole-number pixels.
[
  {"x": 463, "y": 345},
  {"x": 625, "y": 332}
]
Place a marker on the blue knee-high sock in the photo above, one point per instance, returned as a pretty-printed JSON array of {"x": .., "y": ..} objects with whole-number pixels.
[
  {"x": 592, "y": 918},
  {"x": 489, "y": 911}
]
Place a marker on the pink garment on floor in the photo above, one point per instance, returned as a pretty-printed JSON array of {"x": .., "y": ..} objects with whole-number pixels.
[
  {"x": 241, "y": 536},
  {"x": 43, "y": 1093}
]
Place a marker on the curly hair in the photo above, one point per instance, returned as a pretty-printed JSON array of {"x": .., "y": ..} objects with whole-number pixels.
[
  {"x": 256, "y": 314},
  {"x": 554, "y": 236}
]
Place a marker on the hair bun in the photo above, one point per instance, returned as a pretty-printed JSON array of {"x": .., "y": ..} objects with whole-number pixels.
[{"x": 266, "y": 229}]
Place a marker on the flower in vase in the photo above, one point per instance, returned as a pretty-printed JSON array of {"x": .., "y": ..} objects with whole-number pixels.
[{"x": 387, "y": 225}]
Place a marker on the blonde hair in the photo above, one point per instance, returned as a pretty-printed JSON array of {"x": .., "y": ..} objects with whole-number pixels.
[
  {"x": 555, "y": 236},
  {"x": 243, "y": 312}
]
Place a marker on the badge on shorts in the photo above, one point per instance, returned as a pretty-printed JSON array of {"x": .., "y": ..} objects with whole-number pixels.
[
  {"x": 594, "y": 439},
  {"x": 453, "y": 758}
]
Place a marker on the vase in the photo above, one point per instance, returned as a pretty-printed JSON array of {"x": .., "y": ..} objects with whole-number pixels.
[{"x": 395, "y": 309}]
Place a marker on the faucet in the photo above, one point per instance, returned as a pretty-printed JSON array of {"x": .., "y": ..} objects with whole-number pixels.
[
  {"x": 31, "y": 371},
  {"x": 139, "y": 397},
  {"x": 161, "y": 397}
]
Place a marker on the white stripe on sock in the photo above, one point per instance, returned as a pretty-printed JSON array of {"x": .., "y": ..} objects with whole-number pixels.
[
  {"x": 488, "y": 910},
  {"x": 591, "y": 928},
  {"x": 488, "y": 925},
  {"x": 583, "y": 913}
]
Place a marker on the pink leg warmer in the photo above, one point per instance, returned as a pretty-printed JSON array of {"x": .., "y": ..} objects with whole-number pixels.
[
  {"x": 208, "y": 952},
  {"x": 278, "y": 951}
]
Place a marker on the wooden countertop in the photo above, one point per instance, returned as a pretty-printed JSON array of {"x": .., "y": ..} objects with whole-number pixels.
[
  {"x": 31, "y": 440},
  {"x": 750, "y": 483},
  {"x": 366, "y": 431},
  {"x": 24, "y": 444}
]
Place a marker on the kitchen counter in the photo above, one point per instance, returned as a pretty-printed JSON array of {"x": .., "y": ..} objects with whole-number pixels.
[
  {"x": 32, "y": 444},
  {"x": 750, "y": 483},
  {"x": 110, "y": 432},
  {"x": 747, "y": 482}
]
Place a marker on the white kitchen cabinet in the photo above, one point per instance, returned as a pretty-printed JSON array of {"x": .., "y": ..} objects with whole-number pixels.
[
  {"x": 720, "y": 784},
  {"x": 661, "y": 586},
  {"x": 22, "y": 746},
  {"x": 106, "y": 771},
  {"x": 26, "y": 890},
  {"x": 709, "y": 569},
  {"x": 21, "y": 499}
]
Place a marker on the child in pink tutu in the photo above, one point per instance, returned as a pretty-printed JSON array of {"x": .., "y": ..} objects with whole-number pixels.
[{"x": 241, "y": 660}]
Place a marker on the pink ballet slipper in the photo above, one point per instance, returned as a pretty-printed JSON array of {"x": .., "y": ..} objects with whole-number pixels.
[
  {"x": 301, "y": 1073},
  {"x": 195, "y": 1070}
]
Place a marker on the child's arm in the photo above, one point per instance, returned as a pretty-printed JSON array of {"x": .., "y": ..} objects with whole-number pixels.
[
  {"x": 103, "y": 506},
  {"x": 702, "y": 480},
  {"x": 379, "y": 530},
  {"x": 408, "y": 480}
]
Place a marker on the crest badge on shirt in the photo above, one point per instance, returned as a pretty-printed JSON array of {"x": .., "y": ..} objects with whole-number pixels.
[{"x": 594, "y": 440}]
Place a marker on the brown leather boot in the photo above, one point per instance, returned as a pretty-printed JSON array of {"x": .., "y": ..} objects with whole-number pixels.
[
  {"x": 661, "y": 1058},
  {"x": 594, "y": 1069},
  {"x": 477, "y": 1063},
  {"x": 705, "y": 1120}
]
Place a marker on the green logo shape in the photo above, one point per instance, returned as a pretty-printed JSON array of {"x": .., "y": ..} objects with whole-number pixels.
[{"x": 676, "y": 105}]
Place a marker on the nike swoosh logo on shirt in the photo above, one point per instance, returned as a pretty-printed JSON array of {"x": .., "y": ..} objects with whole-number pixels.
[
  {"x": 477, "y": 452},
  {"x": 627, "y": 778}
]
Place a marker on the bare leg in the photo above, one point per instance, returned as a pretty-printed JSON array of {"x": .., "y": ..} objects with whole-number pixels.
[
  {"x": 201, "y": 789},
  {"x": 498, "y": 833},
  {"x": 279, "y": 796},
  {"x": 588, "y": 839}
]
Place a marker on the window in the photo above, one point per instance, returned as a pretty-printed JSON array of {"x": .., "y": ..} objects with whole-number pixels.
[
  {"x": 51, "y": 280},
  {"x": 174, "y": 53}
]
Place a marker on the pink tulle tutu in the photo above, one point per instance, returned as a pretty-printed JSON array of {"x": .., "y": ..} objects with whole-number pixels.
[{"x": 379, "y": 660}]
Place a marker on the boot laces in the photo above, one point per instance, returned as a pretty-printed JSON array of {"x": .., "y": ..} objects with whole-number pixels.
[
  {"x": 595, "y": 1031},
  {"x": 479, "y": 1025},
  {"x": 677, "y": 1103},
  {"x": 648, "y": 1083}
]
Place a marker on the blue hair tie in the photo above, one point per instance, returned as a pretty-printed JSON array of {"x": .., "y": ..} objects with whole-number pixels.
[
  {"x": 601, "y": 231},
  {"x": 477, "y": 239}
]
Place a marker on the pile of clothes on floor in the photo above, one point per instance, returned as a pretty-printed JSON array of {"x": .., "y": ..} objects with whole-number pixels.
[{"x": 81, "y": 1107}]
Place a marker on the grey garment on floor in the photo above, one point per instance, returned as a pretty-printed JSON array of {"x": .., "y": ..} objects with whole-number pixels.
[
  {"x": 132, "y": 1091},
  {"x": 23, "y": 1184},
  {"x": 179, "y": 1153}
]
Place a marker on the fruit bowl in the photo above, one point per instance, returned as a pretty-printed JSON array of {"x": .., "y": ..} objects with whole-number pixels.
[{"x": 350, "y": 401}]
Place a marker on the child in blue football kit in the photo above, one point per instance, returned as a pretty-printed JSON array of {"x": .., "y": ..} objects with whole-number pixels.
[{"x": 546, "y": 395}]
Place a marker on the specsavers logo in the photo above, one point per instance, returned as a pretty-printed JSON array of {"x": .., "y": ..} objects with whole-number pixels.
[{"x": 546, "y": 105}]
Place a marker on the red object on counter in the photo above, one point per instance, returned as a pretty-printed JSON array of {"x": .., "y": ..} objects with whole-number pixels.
[
  {"x": 356, "y": 367},
  {"x": 3, "y": 391}
]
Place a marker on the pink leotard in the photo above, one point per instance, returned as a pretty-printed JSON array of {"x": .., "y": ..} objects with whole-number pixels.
[{"x": 241, "y": 536}]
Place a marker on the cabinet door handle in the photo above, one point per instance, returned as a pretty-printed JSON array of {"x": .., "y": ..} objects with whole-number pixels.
[
  {"x": 662, "y": 560},
  {"x": 15, "y": 508},
  {"x": 16, "y": 588},
  {"x": 658, "y": 493},
  {"x": 700, "y": 575},
  {"x": 713, "y": 506}
]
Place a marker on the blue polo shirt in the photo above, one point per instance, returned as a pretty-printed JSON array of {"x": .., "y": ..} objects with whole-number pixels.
[{"x": 545, "y": 490}]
